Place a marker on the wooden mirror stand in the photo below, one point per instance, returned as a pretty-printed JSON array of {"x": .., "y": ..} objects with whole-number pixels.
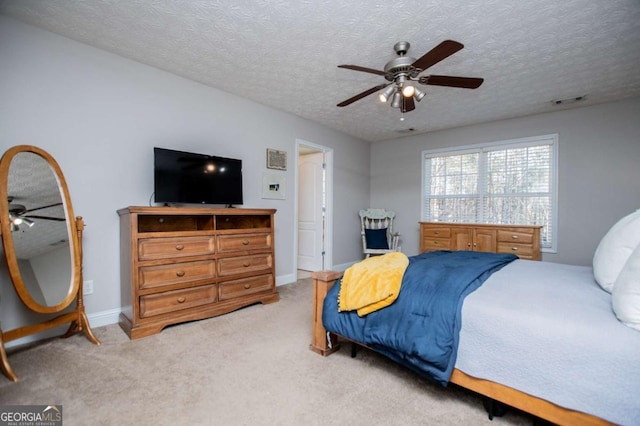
[{"x": 31, "y": 176}]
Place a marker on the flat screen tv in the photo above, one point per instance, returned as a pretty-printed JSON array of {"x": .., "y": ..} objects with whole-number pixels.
[{"x": 189, "y": 178}]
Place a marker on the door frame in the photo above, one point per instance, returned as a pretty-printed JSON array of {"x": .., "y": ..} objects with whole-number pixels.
[{"x": 328, "y": 216}]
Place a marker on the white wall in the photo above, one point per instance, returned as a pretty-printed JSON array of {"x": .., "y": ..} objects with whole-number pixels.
[
  {"x": 598, "y": 182},
  {"x": 30, "y": 280},
  {"x": 100, "y": 115},
  {"x": 52, "y": 271}
]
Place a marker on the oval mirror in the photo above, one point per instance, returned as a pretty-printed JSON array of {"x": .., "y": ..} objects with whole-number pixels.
[{"x": 38, "y": 228}]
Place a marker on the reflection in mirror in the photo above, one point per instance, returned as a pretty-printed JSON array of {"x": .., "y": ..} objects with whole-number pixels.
[{"x": 39, "y": 229}]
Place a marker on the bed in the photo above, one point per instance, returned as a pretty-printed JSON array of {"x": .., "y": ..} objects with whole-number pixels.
[{"x": 537, "y": 336}]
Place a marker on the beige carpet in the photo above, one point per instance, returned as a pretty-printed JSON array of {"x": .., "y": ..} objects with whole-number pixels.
[{"x": 249, "y": 367}]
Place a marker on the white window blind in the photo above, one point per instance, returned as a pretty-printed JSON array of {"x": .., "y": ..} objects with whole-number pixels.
[{"x": 509, "y": 182}]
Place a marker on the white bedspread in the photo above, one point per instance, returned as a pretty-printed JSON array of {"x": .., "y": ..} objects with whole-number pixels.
[{"x": 548, "y": 330}]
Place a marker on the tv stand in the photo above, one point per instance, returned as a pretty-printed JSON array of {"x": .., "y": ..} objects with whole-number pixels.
[{"x": 187, "y": 263}]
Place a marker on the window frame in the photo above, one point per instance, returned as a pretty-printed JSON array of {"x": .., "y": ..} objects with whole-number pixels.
[{"x": 484, "y": 147}]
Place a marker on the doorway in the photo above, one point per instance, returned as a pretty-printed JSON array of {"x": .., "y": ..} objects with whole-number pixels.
[{"x": 314, "y": 167}]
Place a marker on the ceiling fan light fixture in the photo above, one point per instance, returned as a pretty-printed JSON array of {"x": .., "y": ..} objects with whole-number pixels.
[
  {"x": 408, "y": 91},
  {"x": 403, "y": 74},
  {"x": 418, "y": 94},
  {"x": 397, "y": 100},
  {"x": 386, "y": 94},
  {"x": 16, "y": 221}
]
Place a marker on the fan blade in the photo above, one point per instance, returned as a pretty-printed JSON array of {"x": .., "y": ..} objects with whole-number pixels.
[
  {"x": 362, "y": 95},
  {"x": 438, "y": 53},
  {"x": 43, "y": 207},
  {"x": 363, "y": 69},
  {"x": 463, "y": 82},
  {"x": 59, "y": 219},
  {"x": 408, "y": 104}
]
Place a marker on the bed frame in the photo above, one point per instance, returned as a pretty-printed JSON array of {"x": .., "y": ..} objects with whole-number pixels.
[{"x": 327, "y": 344}]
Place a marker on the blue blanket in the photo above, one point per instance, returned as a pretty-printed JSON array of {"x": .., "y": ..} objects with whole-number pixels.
[{"x": 421, "y": 329}]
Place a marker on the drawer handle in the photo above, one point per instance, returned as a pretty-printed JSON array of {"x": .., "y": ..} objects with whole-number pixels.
[
  {"x": 437, "y": 232},
  {"x": 514, "y": 248},
  {"x": 246, "y": 263},
  {"x": 182, "y": 299},
  {"x": 245, "y": 242},
  {"x": 180, "y": 273},
  {"x": 468, "y": 244},
  {"x": 515, "y": 237},
  {"x": 247, "y": 286},
  {"x": 179, "y": 247}
]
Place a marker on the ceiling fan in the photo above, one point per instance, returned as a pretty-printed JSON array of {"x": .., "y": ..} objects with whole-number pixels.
[
  {"x": 404, "y": 71},
  {"x": 19, "y": 214}
]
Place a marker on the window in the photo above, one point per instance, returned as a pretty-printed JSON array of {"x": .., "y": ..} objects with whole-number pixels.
[{"x": 509, "y": 182}]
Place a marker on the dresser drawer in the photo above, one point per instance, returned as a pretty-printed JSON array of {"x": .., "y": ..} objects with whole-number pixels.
[
  {"x": 231, "y": 243},
  {"x": 436, "y": 232},
  {"x": 171, "y": 301},
  {"x": 431, "y": 244},
  {"x": 515, "y": 236},
  {"x": 523, "y": 251},
  {"x": 242, "y": 264},
  {"x": 170, "y": 247},
  {"x": 244, "y": 286},
  {"x": 184, "y": 272}
]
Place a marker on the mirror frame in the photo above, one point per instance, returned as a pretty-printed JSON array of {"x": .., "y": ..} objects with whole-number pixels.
[{"x": 7, "y": 237}]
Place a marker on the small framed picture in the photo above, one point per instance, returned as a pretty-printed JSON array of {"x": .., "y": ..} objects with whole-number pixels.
[
  {"x": 273, "y": 186},
  {"x": 276, "y": 159}
]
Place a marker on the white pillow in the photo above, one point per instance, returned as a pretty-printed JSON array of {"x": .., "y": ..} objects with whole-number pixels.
[
  {"x": 614, "y": 250},
  {"x": 625, "y": 297}
]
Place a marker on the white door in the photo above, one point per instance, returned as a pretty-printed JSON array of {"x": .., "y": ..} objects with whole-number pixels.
[{"x": 310, "y": 212}]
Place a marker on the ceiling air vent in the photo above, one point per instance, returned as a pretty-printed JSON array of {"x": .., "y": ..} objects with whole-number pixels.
[
  {"x": 567, "y": 101},
  {"x": 404, "y": 131}
]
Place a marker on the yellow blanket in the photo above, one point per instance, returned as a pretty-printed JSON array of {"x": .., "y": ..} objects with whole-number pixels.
[{"x": 373, "y": 283}]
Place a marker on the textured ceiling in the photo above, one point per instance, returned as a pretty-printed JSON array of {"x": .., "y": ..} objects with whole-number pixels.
[{"x": 284, "y": 53}]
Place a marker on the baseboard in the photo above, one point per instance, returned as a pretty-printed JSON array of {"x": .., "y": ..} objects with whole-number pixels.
[
  {"x": 286, "y": 279},
  {"x": 343, "y": 267},
  {"x": 112, "y": 316},
  {"x": 100, "y": 319}
]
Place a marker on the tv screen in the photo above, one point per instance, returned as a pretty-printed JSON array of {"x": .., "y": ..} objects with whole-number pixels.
[{"x": 185, "y": 177}]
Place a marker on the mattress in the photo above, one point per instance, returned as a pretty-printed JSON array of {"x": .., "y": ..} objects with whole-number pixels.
[{"x": 548, "y": 330}]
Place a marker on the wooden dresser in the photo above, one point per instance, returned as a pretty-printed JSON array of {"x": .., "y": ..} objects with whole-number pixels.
[
  {"x": 521, "y": 240},
  {"x": 187, "y": 263}
]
